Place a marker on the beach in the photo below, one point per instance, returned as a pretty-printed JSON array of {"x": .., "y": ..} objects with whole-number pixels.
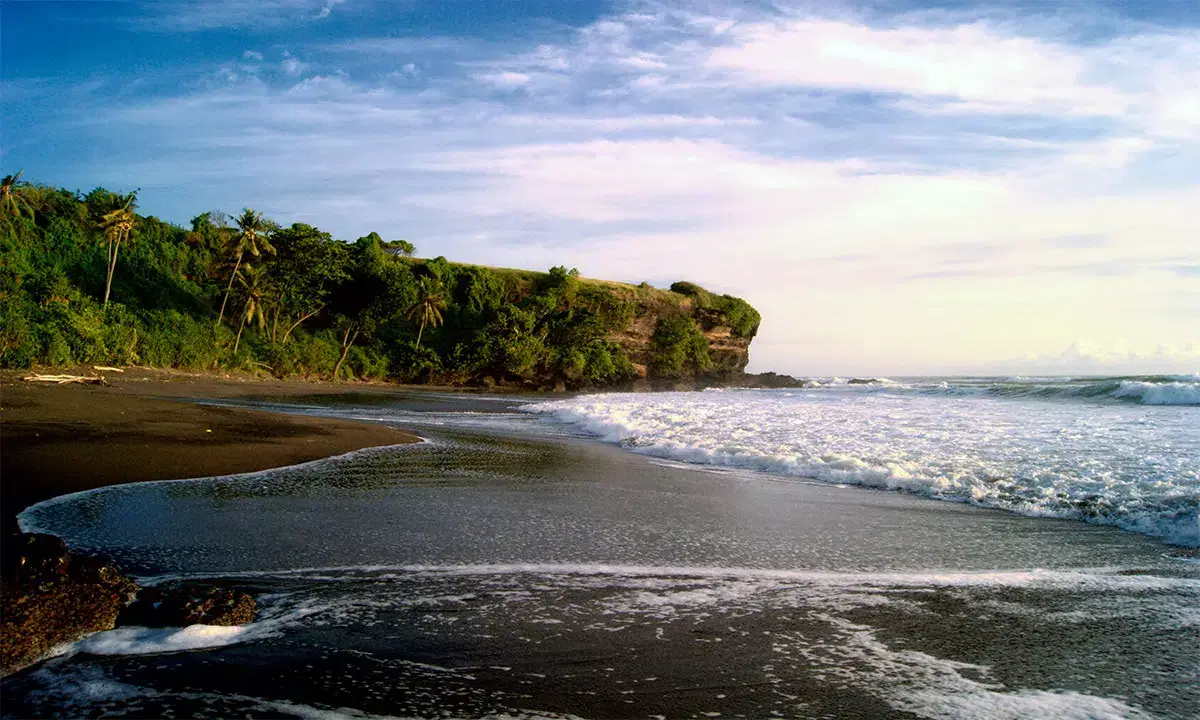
[
  {"x": 512, "y": 566},
  {"x": 60, "y": 439}
]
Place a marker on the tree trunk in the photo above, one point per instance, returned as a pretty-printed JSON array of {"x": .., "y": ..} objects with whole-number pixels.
[
  {"x": 112, "y": 266},
  {"x": 288, "y": 333},
  {"x": 228, "y": 288},
  {"x": 347, "y": 341},
  {"x": 420, "y": 332},
  {"x": 274, "y": 325},
  {"x": 239, "y": 336}
]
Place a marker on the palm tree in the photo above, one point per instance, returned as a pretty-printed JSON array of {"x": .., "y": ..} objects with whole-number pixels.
[
  {"x": 12, "y": 199},
  {"x": 429, "y": 306},
  {"x": 253, "y": 308},
  {"x": 252, "y": 239},
  {"x": 116, "y": 225}
]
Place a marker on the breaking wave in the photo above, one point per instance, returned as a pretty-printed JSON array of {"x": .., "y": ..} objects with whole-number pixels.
[
  {"x": 1145, "y": 389},
  {"x": 1109, "y": 464}
]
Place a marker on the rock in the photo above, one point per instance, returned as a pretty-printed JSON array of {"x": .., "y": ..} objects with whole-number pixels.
[
  {"x": 770, "y": 380},
  {"x": 51, "y": 595},
  {"x": 188, "y": 604}
]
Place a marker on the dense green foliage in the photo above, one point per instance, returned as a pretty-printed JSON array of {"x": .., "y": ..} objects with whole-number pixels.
[
  {"x": 84, "y": 279},
  {"x": 715, "y": 310},
  {"x": 678, "y": 347}
]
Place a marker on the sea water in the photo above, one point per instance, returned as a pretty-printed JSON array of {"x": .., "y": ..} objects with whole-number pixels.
[
  {"x": 1115, "y": 451},
  {"x": 715, "y": 555}
]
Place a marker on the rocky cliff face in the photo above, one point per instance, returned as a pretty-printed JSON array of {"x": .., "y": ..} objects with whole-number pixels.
[{"x": 728, "y": 352}]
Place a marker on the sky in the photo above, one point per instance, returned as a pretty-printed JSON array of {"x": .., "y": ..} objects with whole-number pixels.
[{"x": 899, "y": 187}]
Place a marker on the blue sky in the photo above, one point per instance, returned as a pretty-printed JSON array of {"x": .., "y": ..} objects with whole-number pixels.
[{"x": 900, "y": 187}]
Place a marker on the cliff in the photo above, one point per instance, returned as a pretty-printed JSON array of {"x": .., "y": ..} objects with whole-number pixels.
[
  {"x": 728, "y": 351},
  {"x": 683, "y": 335}
]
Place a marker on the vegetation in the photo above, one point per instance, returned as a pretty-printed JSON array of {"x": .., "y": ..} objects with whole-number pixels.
[{"x": 85, "y": 279}]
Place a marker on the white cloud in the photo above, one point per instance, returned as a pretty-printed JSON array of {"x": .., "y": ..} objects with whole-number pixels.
[
  {"x": 985, "y": 69},
  {"x": 291, "y": 66},
  {"x": 506, "y": 80},
  {"x": 327, "y": 9},
  {"x": 191, "y": 16}
]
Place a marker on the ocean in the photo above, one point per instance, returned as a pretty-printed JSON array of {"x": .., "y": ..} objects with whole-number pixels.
[
  {"x": 928, "y": 547},
  {"x": 1115, "y": 451}
]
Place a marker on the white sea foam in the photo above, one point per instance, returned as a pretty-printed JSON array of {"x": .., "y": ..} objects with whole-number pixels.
[
  {"x": 149, "y": 641},
  {"x": 670, "y": 602},
  {"x": 1113, "y": 464},
  {"x": 1091, "y": 580},
  {"x": 933, "y": 687}
]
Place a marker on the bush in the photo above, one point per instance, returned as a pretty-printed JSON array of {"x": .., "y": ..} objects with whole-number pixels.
[
  {"x": 679, "y": 347},
  {"x": 415, "y": 364},
  {"x": 18, "y": 340},
  {"x": 607, "y": 363},
  {"x": 367, "y": 363}
]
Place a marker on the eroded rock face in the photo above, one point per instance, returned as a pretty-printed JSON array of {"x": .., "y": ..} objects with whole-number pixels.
[
  {"x": 50, "y": 595},
  {"x": 184, "y": 605}
]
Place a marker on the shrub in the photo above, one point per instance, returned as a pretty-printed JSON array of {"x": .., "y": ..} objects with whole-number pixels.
[{"x": 678, "y": 346}]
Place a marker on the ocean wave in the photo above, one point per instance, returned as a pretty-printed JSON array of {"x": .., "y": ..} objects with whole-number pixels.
[
  {"x": 1145, "y": 390},
  {"x": 1066, "y": 461},
  {"x": 1148, "y": 393}
]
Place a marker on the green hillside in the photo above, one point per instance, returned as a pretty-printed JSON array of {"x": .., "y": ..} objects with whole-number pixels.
[{"x": 246, "y": 293}]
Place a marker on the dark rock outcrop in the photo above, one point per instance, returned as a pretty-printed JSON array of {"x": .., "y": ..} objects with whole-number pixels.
[
  {"x": 50, "y": 595},
  {"x": 189, "y": 605},
  {"x": 769, "y": 380}
]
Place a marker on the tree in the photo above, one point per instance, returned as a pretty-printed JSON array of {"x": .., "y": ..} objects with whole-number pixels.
[
  {"x": 376, "y": 287},
  {"x": 429, "y": 306},
  {"x": 251, "y": 239},
  {"x": 308, "y": 265},
  {"x": 12, "y": 198},
  {"x": 116, "y": 227},
  {"x": 397, "y": 248},
  {"x": 252, "y": 301}
]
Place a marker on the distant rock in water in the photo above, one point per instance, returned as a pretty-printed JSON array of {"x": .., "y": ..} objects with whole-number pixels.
[
  {"x": 189, "y": 605},
  {"x": 50, "y": 595},
  {"x": 863, "y": 381}
]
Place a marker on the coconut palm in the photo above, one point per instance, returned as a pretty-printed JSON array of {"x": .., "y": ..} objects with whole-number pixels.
[
  {"x": 12, "y": 199},
  {"x": 253, "y": 307},
  {"x": 251, "y": 239},
  {"x": 116, "y": 227},
  {"x": 428, "y": 307}
]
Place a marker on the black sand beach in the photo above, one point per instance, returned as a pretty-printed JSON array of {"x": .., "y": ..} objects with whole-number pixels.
[
  {"x": 500, "y": 571},
  {"x": 59, "y": 439}
]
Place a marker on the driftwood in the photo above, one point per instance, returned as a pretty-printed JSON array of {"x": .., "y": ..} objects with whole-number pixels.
[
  {"x": 64, "y": 379},
  {"x": 106, "y": 368}
]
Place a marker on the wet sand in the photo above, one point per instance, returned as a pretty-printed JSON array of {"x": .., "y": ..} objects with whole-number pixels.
[{"x": 60, "y": 439}]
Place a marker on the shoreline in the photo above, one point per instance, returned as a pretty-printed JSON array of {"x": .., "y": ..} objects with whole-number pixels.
[
  {"x": 58, "y": 440},
  {"x": 519, "y": 567}
]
